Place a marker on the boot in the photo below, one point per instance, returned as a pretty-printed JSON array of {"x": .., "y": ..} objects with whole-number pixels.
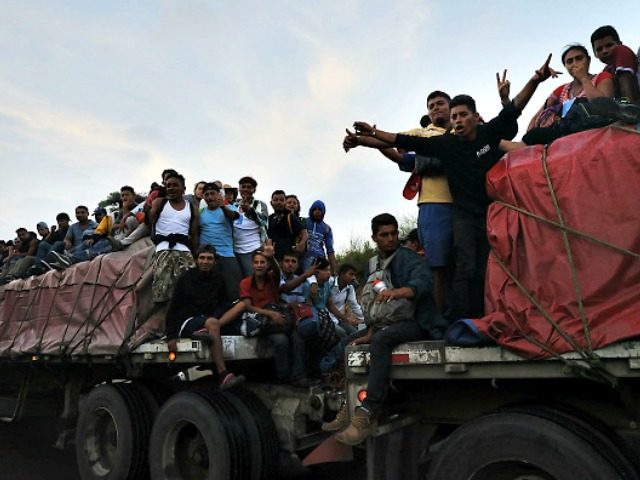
[
  {"x": 339, "y": 423},
  {"x": 361, "y": 426}
]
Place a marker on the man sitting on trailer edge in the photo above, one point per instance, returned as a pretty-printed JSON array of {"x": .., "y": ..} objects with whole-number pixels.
[
  {"x": 411, "y": 279},
  {"x": 199, "y": 304}
]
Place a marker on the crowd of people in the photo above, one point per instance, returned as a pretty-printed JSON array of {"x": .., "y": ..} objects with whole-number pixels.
[{"x": 224, "y": 264}]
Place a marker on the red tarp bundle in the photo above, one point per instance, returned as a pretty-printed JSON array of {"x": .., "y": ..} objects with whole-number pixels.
[
  {"x": 596, "y": 178},
  {"x": 99, "y": 307}
]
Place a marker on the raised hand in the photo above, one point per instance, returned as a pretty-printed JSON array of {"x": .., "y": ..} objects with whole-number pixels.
[
  {"x": 268, "y": 249},
  {"x": 545, "y": 71},
  {"x": 504, "y": 86},
  {"x": 363, "y": 128},
  {"x": 350, "y": 141}
]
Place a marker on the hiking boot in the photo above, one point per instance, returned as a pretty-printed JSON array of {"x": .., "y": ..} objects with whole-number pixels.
[
  {"x": 230, "y": 380},
  {"x": 339, "y": 423},
  {"x": 361, "y": 426}
]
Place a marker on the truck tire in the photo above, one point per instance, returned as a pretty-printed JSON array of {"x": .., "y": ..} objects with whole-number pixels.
[
  {"x": 112, "y": 434},
  {"x": 592, "y": 430},
  {"x": 261, "y": 418},
  {"x": 189, "y": 441},
  {"x": 514, "y": 446}
]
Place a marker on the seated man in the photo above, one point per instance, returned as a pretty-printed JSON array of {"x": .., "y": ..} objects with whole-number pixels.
[
  {"x": 343, "y": 293},
  {"x": 95, "y": 242},
  {"x": 412, "y": 280},
  {"x": 199, "y": 302},
  {"x": 73, "y": 238},
  {"x": 620, "y": 62},
  {"x": 23, "y": 257},
  {"x": 126, "y": 220}
]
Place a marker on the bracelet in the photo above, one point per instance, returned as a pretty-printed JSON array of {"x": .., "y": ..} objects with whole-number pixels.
[{"x": 373, "y": 134}]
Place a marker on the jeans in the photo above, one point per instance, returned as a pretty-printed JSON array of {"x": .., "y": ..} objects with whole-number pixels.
[
  {"x": 83, "y": 252},
  {"x": 472, "y": 253},
  {"x": 232, "y": 276},
  {"x": 279, "y": 342},
  {"x": 382, "y": 344},
  {"x": 246, "y": 264}
]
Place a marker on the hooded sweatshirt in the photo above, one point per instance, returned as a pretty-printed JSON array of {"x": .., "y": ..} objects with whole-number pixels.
[{"x": 320, "y": 234}]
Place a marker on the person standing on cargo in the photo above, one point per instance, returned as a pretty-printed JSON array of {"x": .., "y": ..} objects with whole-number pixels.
[
  {"x": 435, "y": 210},
  {"x": 465, "y": 158},
  {"x": 411, "y": 279},
  {"x": 175, "y": 235}
]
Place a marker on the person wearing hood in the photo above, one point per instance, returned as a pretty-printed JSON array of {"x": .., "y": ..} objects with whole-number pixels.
[{"x": 320, "y": 237}]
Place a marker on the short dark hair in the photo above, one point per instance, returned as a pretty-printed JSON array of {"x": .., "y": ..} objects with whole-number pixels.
[
  {"x": 195, "y": 185},
  {"x": 346, "y": 267},
  {"x": 425, "y": 121},
  {"x": 206, "y": 248},
  {"x": 82, "y": 206},
  {"x": 605, "y": 31},
  {"x": 63, "y": 216},
  {"x": 250, "y": 180},
  {"x": 381, "y": 220},
  {"x": 292, "y": 254},
  {"x": 257, "y": 252},
  {"x": 574, "y": 46},
  {"x": 168, "y": 171},
  {"x": 21, "y": 229},
  {"x": 463, "y": 100},
  {"x": 127, "y": 188},
  {"x": 322, "y": 263},
  {"x": 278, "y": 192},
  {"x": 438, "y": 93},
  {"x": 210, "y": 186},
  {"x": 174, "y": 174}
]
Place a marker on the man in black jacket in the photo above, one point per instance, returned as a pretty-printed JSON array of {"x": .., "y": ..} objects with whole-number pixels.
[{"x": 199, "y": 304}]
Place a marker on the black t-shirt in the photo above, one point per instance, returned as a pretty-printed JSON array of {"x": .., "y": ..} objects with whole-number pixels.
[
  {"x": 284, "y": 228},
  {"x": 196, "y": 293},
  {"x": 24, "y": 246},
  {"x": 466, "y": 162}
]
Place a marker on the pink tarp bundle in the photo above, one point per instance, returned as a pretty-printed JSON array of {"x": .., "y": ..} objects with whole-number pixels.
[
  {"x": 99, "y": 307},
  {"x": 596, "y": 178}
]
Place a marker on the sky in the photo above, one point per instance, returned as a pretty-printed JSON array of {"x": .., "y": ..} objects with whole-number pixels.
[{"x": 95, "y": 95}]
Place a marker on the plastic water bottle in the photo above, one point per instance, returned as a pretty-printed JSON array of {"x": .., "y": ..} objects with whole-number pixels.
[{"x": 379, "y": 286}]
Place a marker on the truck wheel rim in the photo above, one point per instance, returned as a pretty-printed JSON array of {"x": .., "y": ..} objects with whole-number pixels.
[
  {"x": 101, "y": 443},
  {"x": 186, "y": 452}
]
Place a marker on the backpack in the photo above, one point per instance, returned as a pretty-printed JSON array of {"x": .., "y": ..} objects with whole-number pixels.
[{"x": 377, "y": 315}]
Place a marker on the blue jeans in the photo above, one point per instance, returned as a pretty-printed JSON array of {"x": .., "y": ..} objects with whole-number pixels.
[{"x": 83, "y": 252}]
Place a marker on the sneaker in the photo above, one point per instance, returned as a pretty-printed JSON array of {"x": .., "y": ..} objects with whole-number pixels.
[
  {"x": 628, "y": 113},
  {"x": 230, "y": 380},
  {"x": 58, "y": 266},
  {"x": 62, "y": 259},
  {"x": 339, "y": 423},
  {"x": 361, "y": 427},
  {"x": 46, "y": 265}
]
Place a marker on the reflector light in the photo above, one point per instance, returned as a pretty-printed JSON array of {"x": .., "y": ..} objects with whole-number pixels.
[
  {"x": 172, "y": 356},
  {"x": 362, "y": 394},
  {"x": 399, "y": 358}
]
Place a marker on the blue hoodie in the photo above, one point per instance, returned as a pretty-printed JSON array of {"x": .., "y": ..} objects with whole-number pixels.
[{"x": 320, "y": 234}]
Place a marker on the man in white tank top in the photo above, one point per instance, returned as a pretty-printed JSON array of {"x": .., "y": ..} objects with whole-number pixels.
[{"x": 175, "y": 234}]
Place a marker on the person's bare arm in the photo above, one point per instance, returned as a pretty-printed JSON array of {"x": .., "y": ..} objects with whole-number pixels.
[
  {"x": 295, "y": 282},
  {"x": 628, "y": 86},
  {"x": 332, "y": 263},
  {"x": 543, "y": 73},
  {"x": 605, "y": 88},
  {"x": 194, "y": 230}
]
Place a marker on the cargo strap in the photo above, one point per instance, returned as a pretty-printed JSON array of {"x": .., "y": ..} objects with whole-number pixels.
[{"x": 590, "y": 366}]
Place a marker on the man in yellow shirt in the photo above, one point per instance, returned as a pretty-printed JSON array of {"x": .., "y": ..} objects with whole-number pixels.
[{"x": 435, "y": 215}]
